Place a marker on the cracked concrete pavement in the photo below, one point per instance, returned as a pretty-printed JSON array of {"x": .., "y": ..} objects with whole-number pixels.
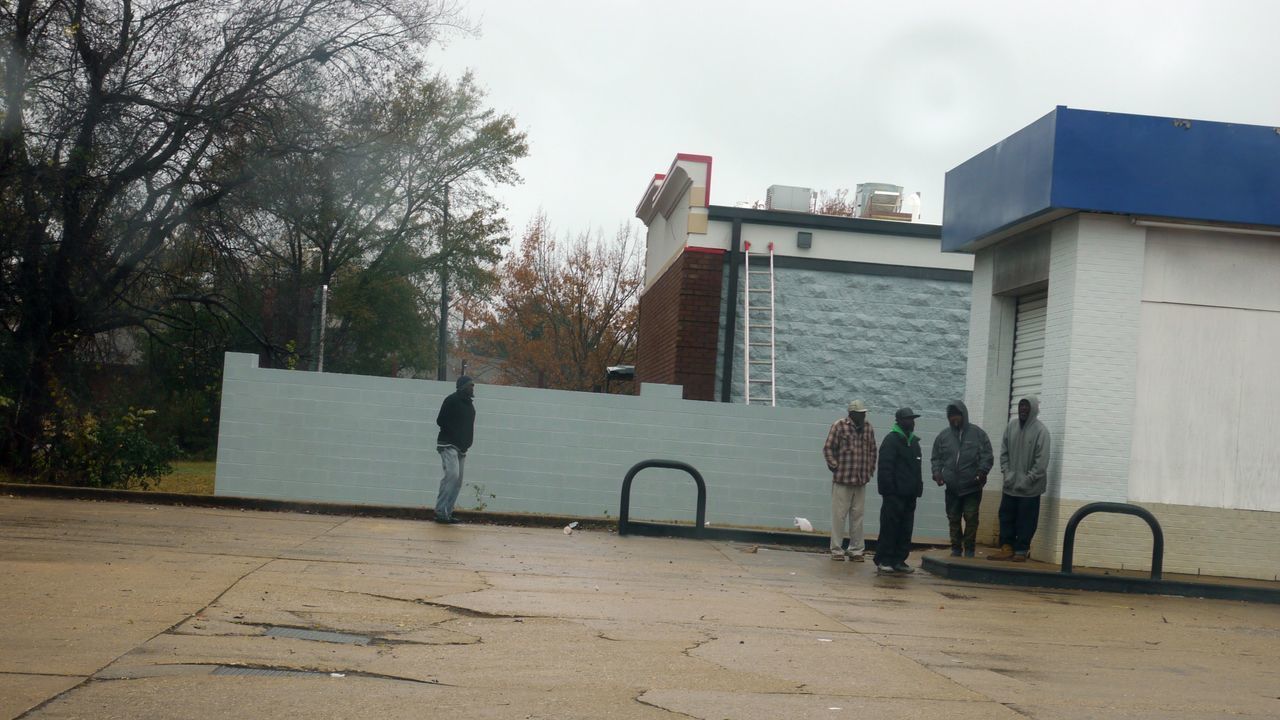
[{"x": 129, "y": 611}]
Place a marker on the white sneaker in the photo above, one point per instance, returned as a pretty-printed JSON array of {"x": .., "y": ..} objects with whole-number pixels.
[
  {"x": 885, "y": 569},
  {"x": 856, "y": 557},
  {"x": 837, "y": 555}
]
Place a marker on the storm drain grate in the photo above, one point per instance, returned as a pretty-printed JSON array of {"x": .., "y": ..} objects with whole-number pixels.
[
  {"x": 266, "y": 672},
  {"x": 318, "y": 635}
]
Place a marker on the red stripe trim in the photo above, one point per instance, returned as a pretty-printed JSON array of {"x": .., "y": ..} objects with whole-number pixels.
[{"x": 709, "y": 251}]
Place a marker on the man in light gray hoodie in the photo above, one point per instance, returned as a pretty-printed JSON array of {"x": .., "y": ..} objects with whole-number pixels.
[{"x": 1024, "y": 461}]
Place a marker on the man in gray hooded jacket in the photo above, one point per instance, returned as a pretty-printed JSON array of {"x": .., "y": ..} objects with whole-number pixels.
[
  {"x": 961, "y": 459},
  {"x": 1024, "y": 461}
]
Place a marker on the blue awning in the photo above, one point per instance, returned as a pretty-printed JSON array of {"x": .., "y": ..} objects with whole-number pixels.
[{"x": 1082, "y": 160}]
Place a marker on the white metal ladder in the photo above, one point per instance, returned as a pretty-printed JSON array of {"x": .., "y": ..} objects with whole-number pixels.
[{"x": 758, "y": 365}]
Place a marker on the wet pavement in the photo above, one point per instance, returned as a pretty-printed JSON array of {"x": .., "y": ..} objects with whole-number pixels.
[{"x": 129, "y": 611}]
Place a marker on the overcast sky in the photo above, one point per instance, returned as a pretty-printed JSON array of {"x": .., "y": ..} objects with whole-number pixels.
[{"x": 830, "y": 94}]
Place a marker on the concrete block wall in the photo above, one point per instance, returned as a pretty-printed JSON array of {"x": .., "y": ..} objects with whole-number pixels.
[
  {"x": 891, "y": 341},
  {"x": 346, "y": 438}
]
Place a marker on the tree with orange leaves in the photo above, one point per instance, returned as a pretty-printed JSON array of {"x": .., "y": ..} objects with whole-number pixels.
[{"x": 565, "y": 311}]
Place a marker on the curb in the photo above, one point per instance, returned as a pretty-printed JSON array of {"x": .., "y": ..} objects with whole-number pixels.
[{"x": 1021, "y": 577}]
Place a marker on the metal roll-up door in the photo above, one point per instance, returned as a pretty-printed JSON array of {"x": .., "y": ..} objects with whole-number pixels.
[{"x": 1028, "y": 348}]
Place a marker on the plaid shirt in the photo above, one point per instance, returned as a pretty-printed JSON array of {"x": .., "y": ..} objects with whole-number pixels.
[{"x": 851, "y": 455}]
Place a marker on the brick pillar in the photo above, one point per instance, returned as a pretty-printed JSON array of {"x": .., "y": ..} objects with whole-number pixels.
[{"x": 680, "y": 323}]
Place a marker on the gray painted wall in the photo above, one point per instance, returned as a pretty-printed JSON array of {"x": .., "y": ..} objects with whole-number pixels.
[
  {"x": 891, "y": 341},
  {"x": 347, "y": 438}
]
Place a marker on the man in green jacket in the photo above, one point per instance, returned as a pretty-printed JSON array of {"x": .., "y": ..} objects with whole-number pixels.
[
  {"x": 1024, "y": 461},
  {"x": 900, "y": 483},
  {"x": 961, "y": 459}
]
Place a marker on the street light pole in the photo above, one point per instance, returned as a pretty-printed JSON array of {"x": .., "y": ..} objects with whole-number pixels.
[
  {"x": 324, "y": 320},
  {"x": 442, "y": 343}
]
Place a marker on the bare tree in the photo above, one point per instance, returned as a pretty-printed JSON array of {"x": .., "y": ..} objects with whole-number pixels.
[{"x": 114, "y": 117}]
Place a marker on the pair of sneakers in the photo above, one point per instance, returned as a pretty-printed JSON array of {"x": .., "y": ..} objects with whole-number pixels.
[
  {"x": 849, "y": 555},
  {"x": 901, "y": 567}
]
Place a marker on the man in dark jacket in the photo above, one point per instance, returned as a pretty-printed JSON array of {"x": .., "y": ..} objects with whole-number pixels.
[
  {"x": 900, "y": 483},
  {"x": 457, "y": 421},
  {"x": 961, "y": 459}
]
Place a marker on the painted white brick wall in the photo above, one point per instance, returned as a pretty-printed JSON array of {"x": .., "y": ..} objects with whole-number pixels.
[
  {"x": 1089, "y": 383},
  {"x": 1106, "y": 299},
  {"x": 1059, "y": 323}
]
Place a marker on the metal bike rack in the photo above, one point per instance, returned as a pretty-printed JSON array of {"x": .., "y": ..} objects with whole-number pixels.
[
  {"x": 1069, "y": 537},
  {"x": 624, "y": 509}
]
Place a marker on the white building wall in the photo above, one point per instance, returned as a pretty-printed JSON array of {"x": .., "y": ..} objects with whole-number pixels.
[
  {"x": 1150, "y": 396},
  {"x": 990, "y": 355},
  {"x": 840, "y": 245},
  {"x": 980, "y": 355},
  {"x": 1095, "y": 365},
  {"x": 665, "y": 241},
  {"x": 1087, "y": 396},
  {"x": 1209, "y": 350},
  {"x": 1059, "y": 320}
]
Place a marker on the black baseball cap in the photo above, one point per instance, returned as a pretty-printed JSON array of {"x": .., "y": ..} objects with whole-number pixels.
[{"x": 905, "y": 413}]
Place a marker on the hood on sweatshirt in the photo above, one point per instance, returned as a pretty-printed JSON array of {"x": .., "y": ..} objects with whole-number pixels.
[
  {"x": 1034, "y": 402},
  {"x": 958, "y": 406}
]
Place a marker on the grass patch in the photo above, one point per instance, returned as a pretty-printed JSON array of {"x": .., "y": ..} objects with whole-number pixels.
[
  {"x": 195, "y": 478},
  {"x": 188, "y": 476}
]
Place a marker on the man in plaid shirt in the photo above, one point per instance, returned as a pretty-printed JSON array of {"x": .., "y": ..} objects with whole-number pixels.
[{"x": 850, "y": 452}]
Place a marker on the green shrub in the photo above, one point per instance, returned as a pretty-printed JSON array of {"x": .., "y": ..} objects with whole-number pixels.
[{"x": 109, "y": 451}]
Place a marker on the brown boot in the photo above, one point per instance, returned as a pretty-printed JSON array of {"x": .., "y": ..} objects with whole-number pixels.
[
  {"x": 1021, "y": 557},
  {"x": 1006, "y": 553}
]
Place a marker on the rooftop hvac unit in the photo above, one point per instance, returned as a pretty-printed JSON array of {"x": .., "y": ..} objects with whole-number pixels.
[
  {"x": 880, "y": 201},
  {"x": 788, "y": 198}
]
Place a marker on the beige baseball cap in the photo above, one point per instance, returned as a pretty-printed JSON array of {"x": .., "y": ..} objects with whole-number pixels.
[{"x": 857, "y": 406}]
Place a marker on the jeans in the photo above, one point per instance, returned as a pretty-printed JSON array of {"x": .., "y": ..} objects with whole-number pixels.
[
  {"x": 963, "y": 507},
  {"x": 1018, "y": 519},
  {"x": 453, "y": 462},
  {"x": 846, "y": 507},
  {"x": 897, "y": 519}
]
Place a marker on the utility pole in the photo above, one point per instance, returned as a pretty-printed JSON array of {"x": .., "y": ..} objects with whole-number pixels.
[
  {"x": 324, "y": 320},
  {"x": 442, "y": 343}
]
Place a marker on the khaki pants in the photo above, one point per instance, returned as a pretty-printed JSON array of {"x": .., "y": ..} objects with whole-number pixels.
[{"x": 846, "y": 507}]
